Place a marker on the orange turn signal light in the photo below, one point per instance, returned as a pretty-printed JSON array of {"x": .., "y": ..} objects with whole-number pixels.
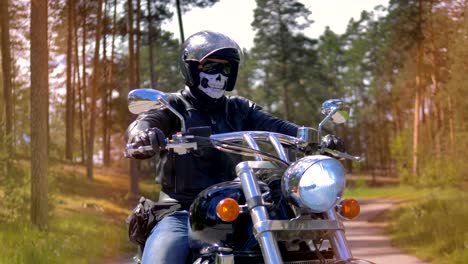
[
  {"x": 228, "y": 209},
  {"x": 349, "y": 208}
]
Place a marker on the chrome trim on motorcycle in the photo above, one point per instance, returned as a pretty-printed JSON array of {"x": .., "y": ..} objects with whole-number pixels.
[
  {"x": 279, "y": 149},
  {"x": 251, "y": 142},
  {"x": 297, "y": 225},
  {"x": 224, "y": 258},
  {"x": 338, "y": 239},
  {"x": 307, "y": 135},
  {"x": 257, "y": 135},
  {"x": 267, "y": 241}
]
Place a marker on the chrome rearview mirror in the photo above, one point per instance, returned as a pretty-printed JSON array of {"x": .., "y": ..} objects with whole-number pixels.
[
  {"x": 336, "y": 110},
  {"x": 142, "y": 100}
]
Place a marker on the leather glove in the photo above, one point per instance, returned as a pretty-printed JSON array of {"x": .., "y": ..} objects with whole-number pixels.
[
  {"x": 333, "y": 142},
  {"x": 149, "y": 137}
]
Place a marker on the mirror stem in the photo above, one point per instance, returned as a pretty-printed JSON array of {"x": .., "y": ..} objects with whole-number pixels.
[
  {"x": 323, "y": 123},
  {"x": 182, "y": 121}
]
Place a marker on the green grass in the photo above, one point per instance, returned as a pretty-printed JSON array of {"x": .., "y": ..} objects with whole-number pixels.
[
  {"x": 77, "y": 238},
  {"x": 434, "y": 227},
  {"x": 391, "y": 192},
  {"x": 86, "y": 223},
  {"x": 430, "y": 223}
]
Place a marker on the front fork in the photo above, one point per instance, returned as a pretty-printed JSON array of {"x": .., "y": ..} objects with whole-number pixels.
[
  {"x": 258, "y": 211},
  {"x": 259, "y": 214},
  {"x": 338, "y": 239}
]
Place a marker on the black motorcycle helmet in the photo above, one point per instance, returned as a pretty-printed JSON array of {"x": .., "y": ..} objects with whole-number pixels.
[{"x": 208, "y": 44}]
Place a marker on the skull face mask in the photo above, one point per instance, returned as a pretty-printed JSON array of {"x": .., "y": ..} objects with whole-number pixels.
[{"x": 213, "y": 85}]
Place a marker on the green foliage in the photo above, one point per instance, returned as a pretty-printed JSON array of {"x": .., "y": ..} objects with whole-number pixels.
[
  {"x": 76, "y": 233},
  {"x": 401, "y": 192},
  {"x": 435, "y": 171},
  {"x": 16, "y": 201},
  {"x": 78, "y": 238},
  {"x": 287, "y": 70},
  {"x": 188, "y": 4},
  {"x": 166, "y": 52},
  {"x": 4, "y": 157},
  {"x": 16, "y": 186},
  {"x": 401, "y": 153},
  {"x": 423, "y": 227},
  {"x": 361, "y": 182},
  {"x": 441, "y": 171}
]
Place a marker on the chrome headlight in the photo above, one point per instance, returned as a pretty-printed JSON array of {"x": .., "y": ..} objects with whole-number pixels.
[{"x": 314, "y": 182}]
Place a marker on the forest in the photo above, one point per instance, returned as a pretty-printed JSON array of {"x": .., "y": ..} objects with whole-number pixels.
[{"x": 68, "y": 65}]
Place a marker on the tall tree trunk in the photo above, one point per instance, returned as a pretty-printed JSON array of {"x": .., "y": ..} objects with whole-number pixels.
[
  {"x": 181, "y": 25},
  {"x": 69, "y": 122},
  {"x": 150, "y": 45},
  {"x": 82, "y": 101},
  {"x": 78, "y": 88},
  {"x": 39, "y": 113},
  {"x": 451, "y": 124},
  {"x": 94, "y": 84},
  {"x": 137, "y": 46},
  {"x": 7, "y": 87},
  {"x": 417, "y": 98},
  {"x": 436, "y": 129},
  {"x": 397, "y": 113},
  {"x": 137, "y": 53},
  {"x": 83, "y": 107},
  {"x": 105, "y": 94},
  {"x": 134, "y": 188},
  {"x": 107, "y": 149}
]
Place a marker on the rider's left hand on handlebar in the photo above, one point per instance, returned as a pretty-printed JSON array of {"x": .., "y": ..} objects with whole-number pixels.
[
  {"x": 150, "y": 137},
  {"x": 333, "y": 142}
]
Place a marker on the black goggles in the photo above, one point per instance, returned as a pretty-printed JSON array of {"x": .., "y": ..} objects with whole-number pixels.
[{"x": 212, "y": 67}]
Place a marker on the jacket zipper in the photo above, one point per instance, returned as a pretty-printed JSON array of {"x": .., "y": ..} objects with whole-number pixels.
[{"x": 213, "y": 122}]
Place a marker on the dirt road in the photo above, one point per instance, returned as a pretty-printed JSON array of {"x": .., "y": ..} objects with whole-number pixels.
[{"x": 367, "y": 239}]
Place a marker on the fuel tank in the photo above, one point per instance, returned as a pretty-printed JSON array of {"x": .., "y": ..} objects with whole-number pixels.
[{"x": 207, "y": 230}]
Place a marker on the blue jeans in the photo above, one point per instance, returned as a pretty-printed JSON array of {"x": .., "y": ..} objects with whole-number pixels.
[{"x": 168, "y": 241}]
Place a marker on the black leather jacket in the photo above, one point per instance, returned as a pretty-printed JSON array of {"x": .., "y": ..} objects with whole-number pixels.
[{"x": 182, "y": 177}]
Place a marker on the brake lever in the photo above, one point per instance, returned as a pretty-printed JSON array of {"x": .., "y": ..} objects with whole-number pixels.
[
  {"x": 179, "y": 143},
  {"x": 343, "y": 155},
  {"x": 130, "y": 149}
]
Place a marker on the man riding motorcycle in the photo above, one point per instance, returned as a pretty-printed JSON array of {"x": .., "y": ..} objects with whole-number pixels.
[{"x": 209, "y": 62}]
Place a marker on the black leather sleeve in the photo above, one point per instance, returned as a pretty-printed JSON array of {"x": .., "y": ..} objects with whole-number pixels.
[{"x": 257, "y": 119}]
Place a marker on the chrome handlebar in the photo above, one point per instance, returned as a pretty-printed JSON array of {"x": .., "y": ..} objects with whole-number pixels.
[{"x": 182, "y": 144}]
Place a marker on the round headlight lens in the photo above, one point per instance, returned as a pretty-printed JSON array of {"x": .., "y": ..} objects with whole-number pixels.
[{"x": 315, "y": 182}]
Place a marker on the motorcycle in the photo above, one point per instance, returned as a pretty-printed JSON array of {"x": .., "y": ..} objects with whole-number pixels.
[{"x": 285, "y": 206}]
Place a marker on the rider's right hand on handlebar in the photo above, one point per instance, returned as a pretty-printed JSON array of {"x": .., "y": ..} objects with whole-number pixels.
[
  {"x": 150, "y": 137},
  {"x": 333, "y": 142}
]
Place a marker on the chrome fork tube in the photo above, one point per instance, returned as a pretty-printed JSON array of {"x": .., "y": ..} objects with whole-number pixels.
[
  {"x": 338, "y": 239},
  {"x": 258, "y": 212}
]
